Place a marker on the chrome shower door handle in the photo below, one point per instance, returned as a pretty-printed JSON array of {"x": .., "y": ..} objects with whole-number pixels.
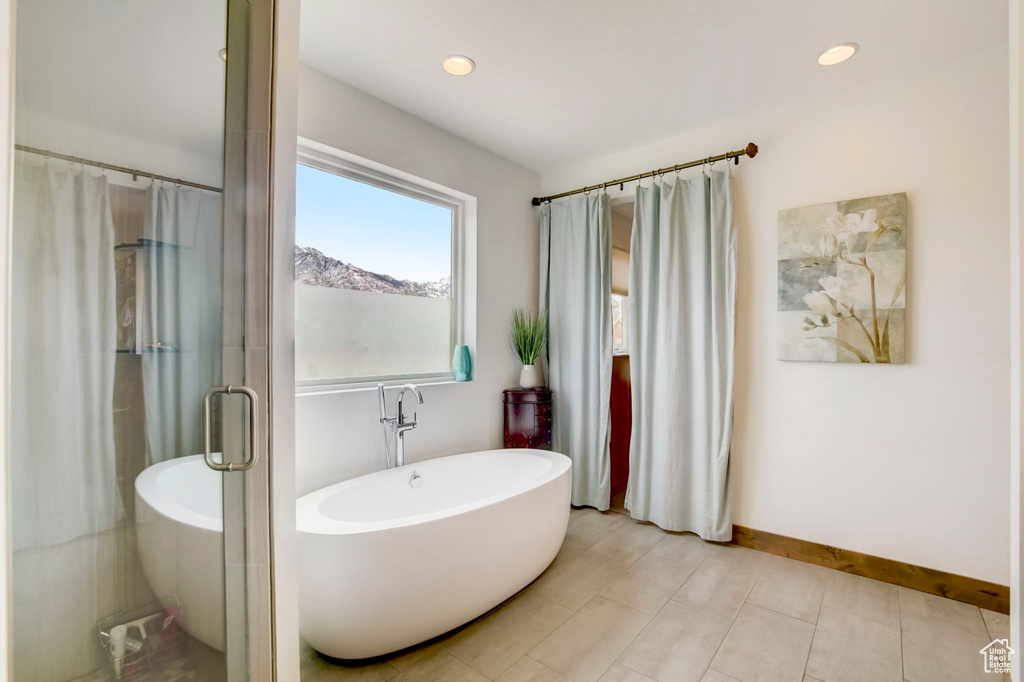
[{"x": 250, "y": 461}]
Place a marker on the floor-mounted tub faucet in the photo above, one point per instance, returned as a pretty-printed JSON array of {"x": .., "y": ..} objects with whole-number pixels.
[{"x": 397, "y": 426}]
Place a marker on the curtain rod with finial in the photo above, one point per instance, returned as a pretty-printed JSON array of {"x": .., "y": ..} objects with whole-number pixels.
[
  {"x": 111, "y": 167},
  {"x": 749, "y": 151}
]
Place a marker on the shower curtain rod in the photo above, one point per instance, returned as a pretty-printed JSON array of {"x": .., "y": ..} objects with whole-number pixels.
[
  {"x": 120, "y": 169},
  {"x": 750, "y": 150}
]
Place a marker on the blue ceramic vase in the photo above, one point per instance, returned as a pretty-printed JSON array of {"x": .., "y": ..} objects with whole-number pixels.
[{"x": 462, "y": 364}]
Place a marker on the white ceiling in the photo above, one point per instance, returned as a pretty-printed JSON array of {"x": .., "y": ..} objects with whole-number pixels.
[{"x": 562, "y": 81}]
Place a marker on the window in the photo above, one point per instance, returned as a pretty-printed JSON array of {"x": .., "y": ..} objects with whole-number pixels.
[
  {"x": 620, "y": 291},
  {"x": 620, "y": 325},
  {"x": 381, "y": 285}
]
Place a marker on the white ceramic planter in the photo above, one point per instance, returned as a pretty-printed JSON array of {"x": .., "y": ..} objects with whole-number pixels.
[{"x": 531, "y": 377}]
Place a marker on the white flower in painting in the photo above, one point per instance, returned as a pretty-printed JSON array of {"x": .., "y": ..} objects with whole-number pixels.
[
  {"x": 829, "y": 302},
  {"x": 855, "y": 223},
  {"x": 867, "y": 222},
  {"x": 837, "y": 223},
  {"x": 820, "y": 303},
  {"x": 833, "y": 286},
  {"x": 847, "y": 227}
]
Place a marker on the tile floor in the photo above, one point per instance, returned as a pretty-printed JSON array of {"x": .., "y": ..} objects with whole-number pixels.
[
  {"x": 627, "y": 602},
  {"x": 195, "y": 662}
]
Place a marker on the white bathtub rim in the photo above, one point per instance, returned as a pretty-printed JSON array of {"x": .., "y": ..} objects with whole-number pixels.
[
  {"x": 163, "y": 503},
  {"x": 310, "y": 520}
]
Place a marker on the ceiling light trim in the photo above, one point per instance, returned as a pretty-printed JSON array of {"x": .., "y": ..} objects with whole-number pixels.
[
  {"x": 837, "y": 54},
  {"x": 458, "y": 65}
]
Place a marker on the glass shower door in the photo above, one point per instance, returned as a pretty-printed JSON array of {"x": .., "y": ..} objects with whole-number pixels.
[{"x": 140, "y": 521}]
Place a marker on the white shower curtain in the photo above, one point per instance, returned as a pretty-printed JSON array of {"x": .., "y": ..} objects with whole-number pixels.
[
  {"x": 181, "y": 316},
  {"x": 682, "y": 303},
  {"x": 63, "y": 339},
  {"x": 575, "y": 288}
]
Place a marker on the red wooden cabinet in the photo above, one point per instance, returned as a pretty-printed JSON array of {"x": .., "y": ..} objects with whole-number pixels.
[{"x": 528, "y": 418}]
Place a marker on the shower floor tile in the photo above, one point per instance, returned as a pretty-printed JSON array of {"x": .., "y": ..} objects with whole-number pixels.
[{"x": 195, "y": 663}]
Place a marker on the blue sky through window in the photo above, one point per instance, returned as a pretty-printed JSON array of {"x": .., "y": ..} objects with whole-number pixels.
[{"x": 372, "y": 228}]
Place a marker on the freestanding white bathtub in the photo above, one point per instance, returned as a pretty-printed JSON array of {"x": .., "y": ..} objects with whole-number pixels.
[
  {"x": 180, "y": 526},
  {"x": 396, "y": 557}
]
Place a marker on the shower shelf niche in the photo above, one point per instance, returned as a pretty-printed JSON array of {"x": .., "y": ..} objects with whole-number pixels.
[{"x": 132, "y": 276}]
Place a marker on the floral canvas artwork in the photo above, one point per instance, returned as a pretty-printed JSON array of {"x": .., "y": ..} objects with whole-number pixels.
[{"x": 842, "y": 281}]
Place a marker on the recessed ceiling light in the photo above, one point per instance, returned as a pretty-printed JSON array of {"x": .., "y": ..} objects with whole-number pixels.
[
  {"x": 223, "y": 52},
  {"x": 838, "y": 53},
  {"x": 458, "y": 65}
]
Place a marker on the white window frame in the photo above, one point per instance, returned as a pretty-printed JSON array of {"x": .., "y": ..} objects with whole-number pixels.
[{"x": 463, "y": 207}]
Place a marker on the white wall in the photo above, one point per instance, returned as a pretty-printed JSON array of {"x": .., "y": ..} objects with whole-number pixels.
[
  {"x": 338, "y": 435},
  {"x": 905, "y": 462}
]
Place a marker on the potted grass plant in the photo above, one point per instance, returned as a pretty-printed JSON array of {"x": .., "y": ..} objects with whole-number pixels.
[{"x": 529, "y": 333}]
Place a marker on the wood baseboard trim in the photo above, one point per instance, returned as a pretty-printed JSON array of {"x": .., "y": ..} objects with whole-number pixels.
[{"x": 961, "y": 588}]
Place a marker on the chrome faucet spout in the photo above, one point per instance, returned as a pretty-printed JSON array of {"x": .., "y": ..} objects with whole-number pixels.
[
  {"x": 404, "y": 425},
  {"x": 399, "y": 425},
  {"x": 401, "y": 398}
]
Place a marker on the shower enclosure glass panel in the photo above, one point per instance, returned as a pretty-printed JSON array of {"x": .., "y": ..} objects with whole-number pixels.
[{"x": 133, "y": 239}]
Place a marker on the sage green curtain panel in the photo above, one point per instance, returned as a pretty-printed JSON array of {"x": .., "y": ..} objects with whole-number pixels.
[
  {"x": 682, "y": 305},
  {"x": 575, "y": 288}
]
